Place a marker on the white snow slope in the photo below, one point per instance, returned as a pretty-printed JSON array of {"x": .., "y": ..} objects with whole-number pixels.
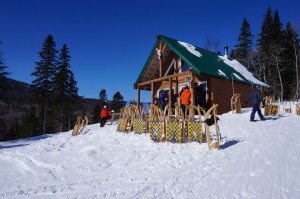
[{"x": 257, "y": 160}]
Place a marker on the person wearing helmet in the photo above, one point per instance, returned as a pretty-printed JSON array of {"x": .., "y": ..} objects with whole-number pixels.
[{"x": 104, "y": 115}]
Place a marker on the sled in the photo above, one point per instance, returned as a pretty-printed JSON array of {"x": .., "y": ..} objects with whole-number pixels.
[
  {"x": 156, "y": 124},
  {"x": 195, "y": 124},
  {"x": 138, "y": 122},
  {"x": 124, "y": 122},
  {"x": 236, "y": 106},
  {"x": 212, "y": 140},
  {"x": 80, "y": 125},
  {"x": 174, "y": 123},
  {"x": 269, "y": 108},
  {"x": 298, "y": 109},
  {"x": 286, "y": 108}
]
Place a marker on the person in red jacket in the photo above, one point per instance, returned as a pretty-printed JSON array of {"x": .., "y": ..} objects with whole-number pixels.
[
  {"x": 104, "y": 115},
  {"x": 185, "y": 98}
]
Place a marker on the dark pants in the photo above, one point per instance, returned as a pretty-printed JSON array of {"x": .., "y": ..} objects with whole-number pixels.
[
  {"x": 103, "y": 121},
  {"x": 255, "y": 107}
]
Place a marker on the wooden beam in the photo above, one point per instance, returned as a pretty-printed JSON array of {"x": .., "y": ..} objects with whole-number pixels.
[{"x": 188, "y": 72}]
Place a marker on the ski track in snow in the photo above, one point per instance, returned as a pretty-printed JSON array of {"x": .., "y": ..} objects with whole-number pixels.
[{"x": 257, "y": 160}]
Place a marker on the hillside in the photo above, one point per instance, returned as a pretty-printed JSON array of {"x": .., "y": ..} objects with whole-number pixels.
[
  {"x": 17, "y": 98},
  {"x": 257, "y": 160}
]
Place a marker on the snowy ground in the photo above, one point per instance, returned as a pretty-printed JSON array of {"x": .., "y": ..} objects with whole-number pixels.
[{"x": 257, "y": 160}]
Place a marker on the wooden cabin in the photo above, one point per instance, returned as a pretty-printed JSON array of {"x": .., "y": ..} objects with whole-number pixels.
[{"x": 173, "y": 64}]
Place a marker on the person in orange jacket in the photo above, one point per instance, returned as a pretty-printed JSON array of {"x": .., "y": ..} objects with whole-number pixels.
[
  {"x": 185, "y": 98},
  {"x": 104, "y": 115}
]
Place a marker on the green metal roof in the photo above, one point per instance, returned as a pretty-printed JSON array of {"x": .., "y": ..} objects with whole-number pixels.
[{"x": 204, "y": 62}]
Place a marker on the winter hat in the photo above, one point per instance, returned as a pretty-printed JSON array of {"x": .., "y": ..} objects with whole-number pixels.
[{"x": 105, "y": 106}]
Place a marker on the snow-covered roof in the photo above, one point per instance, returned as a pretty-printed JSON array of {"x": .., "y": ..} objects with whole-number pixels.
[{"x": 204, "y": 62}]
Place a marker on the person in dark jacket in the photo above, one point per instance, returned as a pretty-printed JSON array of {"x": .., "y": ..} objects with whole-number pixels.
[
  {"x": 255, "y": 98},
  {"x": 162, "y": 99},
  {"x": 200, "y": 95}
]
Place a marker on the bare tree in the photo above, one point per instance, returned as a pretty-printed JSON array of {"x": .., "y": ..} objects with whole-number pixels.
[
  {"x": 276, "y": 52},
  {"x": 212, "y": 44}
]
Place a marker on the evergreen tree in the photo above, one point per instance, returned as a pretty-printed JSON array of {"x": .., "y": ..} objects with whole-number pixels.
[
  {"x": 263, "y": 43},
  {"x": 2, "y": 67},
  {"x": 102, "y": 98},
  {"x": 44, "y": 73},
  {"x": 30, "y": 124},
  {"x": 96, "y": 114},
  {"x": 65, "y": 90},
  {"x": 117, "y": 102},
  {"x": 266, "y": 32},
  {"x": 245, "y": 43},
  {"x": 2, "y": 73},
  {"x": 291, "y": 61},
  {"x": 277, "y": 33}
]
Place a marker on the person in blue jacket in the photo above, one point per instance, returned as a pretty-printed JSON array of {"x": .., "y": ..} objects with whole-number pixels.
[
  {"x": 162, "y": 99},
  {"x": 255, "y": 98}
]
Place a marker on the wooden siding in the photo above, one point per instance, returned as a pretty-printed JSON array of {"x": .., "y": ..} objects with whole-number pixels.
[{"x": 223, "y": 91}]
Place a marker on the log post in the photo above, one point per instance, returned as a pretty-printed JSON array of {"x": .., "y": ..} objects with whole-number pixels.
[
  {"x": 138, "y": 95},
  {"x": 170, "y": 90},
  {"x": 160, "y": 60},
  {"x": 152, "y": 93}
]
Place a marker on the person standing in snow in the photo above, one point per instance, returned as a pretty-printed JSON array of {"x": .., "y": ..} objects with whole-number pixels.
[
  {"x": 185, "y": 98},
  {"x": 162, "y": 99},
  {"x": 104, "y": 115},
  {"x": 255, "y": 98},
  {"x": 200, "y": 95}
]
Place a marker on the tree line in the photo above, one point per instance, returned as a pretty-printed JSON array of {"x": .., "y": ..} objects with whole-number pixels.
[
  {"x": 55, "y": 95},
  {"x": 274, "y": 57}
]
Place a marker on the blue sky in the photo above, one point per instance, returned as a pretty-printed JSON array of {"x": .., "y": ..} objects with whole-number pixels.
[{"x": 110, "y": 41}]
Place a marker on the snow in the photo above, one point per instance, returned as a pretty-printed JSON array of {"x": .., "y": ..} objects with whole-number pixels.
[
  {"x": 243, "y": 71},
  {"x": 257, "y": 160},
  {"x": 237, "y": 76},
  {"x": 190, "y": 48},
  {"x": 220, "y": 72}
]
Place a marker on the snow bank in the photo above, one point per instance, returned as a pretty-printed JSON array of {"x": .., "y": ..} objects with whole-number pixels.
[{"x": 257, "y": 160}]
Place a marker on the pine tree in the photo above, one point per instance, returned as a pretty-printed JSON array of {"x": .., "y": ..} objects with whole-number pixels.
[
  {"x": 96, "y": 114},
  {"x": 263, "y": 44},
  {"x": 2, "y": 67},
  {"x": 65, "y": 90},
  {"x": 277, "y": 33},
  {"x": 117, "y": 102},
  {"x": 291, "y": 61},
  {"x": 266, "y": 32},
  {"x": 245, "y": 43},
  {"x": 2, "y": 73},
  {"x": 102, "y": 98},
  {"x": 30, "y": 124},
  {"x": 44, "y": 73}
]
